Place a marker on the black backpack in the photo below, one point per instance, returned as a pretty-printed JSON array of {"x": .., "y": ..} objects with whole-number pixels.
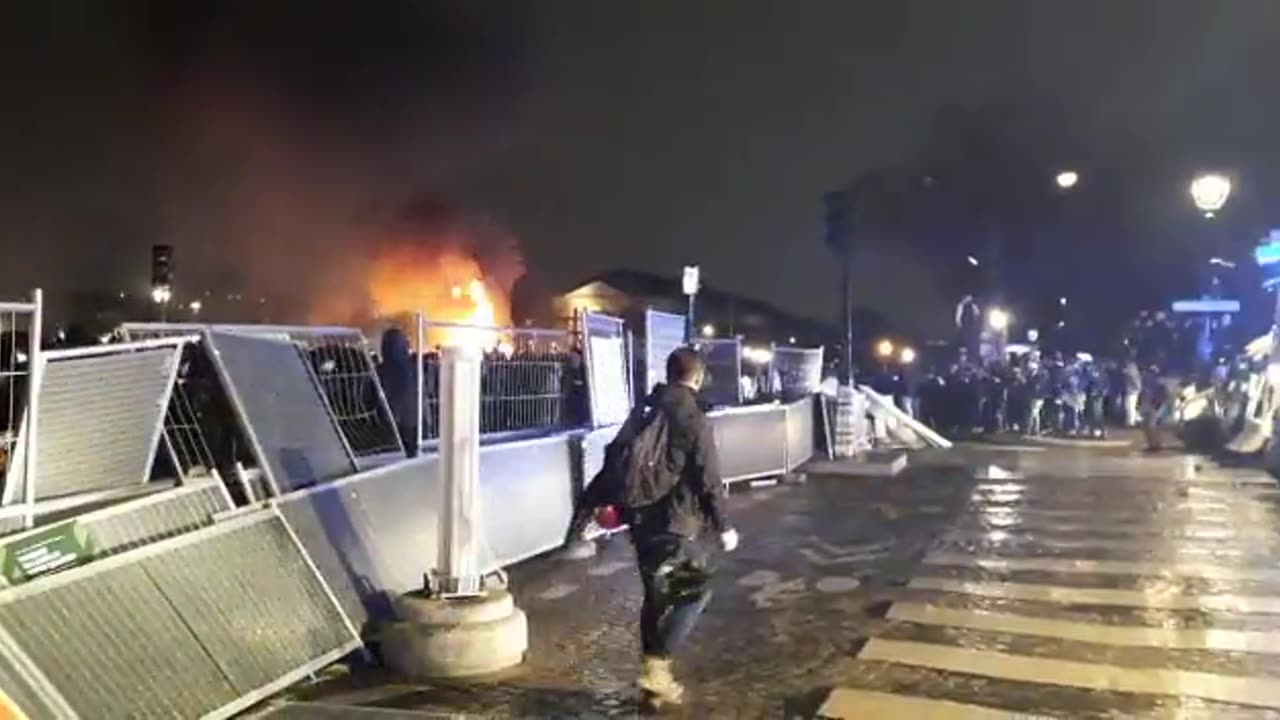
[{"x": 637, "y": 466}]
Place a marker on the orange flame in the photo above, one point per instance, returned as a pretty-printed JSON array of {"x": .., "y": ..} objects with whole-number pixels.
[{"x": 445, "y": 284}]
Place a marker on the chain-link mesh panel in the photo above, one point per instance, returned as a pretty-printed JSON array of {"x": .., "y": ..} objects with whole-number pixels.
[
  {"x": 184, "y": 628},
  {"x": 115, "y": 647},
  {"x": 343, "y": 367},
  {"x": 723, "y": 384},
  {"x": 284, "y": 409},
  {"x": 531, "y": 379},
  {"x": 15, "y": 324},
  {"x": 100, "y": 418},
  {"x": 799, "y": 370}
]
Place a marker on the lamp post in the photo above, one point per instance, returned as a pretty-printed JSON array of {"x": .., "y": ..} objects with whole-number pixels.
[{"x": 1067, "y": 179}]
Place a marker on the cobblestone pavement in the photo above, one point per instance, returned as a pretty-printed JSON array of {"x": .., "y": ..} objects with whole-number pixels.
[{"x": 1061, "y": 583}]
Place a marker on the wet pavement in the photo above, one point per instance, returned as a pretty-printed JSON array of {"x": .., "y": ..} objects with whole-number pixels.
[{"x": 1081, "y": 583}]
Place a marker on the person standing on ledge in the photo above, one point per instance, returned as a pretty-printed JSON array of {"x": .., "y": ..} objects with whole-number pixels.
[{"x": 663, "y": 475}]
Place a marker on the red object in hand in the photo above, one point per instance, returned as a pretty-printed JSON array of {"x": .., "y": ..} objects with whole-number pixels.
[{"x": 608, "y": 517}]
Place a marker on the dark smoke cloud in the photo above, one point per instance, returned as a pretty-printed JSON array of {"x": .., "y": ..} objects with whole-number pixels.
[{"x": 261, "y": 139}]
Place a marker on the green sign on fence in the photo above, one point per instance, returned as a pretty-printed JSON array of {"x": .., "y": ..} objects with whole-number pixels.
[{"x": 53, "y": 548}]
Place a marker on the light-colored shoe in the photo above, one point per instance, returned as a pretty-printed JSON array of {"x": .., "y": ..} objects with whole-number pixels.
[{"x": 657, "y": 682}]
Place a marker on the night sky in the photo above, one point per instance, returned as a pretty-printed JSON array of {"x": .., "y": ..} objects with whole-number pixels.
[{"x": 611, "y": 134}]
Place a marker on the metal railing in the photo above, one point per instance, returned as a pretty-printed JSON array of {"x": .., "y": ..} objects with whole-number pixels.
[
  {"x": 21, "y": 365},
  {"x": 340, "y": 360},
  {"x": 799, "y": 370},
  {"x": 532, "y": 379}
]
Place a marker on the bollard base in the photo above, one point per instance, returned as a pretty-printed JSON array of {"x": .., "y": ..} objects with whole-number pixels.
[
  {"x": 459, "y": 638},
  {"x": 580, "y": 550}
]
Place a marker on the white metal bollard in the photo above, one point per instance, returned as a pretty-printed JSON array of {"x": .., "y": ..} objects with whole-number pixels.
[{"x": 460, "y": 467}]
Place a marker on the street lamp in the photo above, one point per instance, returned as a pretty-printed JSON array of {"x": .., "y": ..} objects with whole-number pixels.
[
  {"x": 1067, "y": 179},
  {"x": 708, "y": 330},
  {"x": 998, "y": 319},
  {"x": 195, "y": 306},
  {"x": 1210, "y": 192},
  {"x": 908, "y": 356},
  {"x": 884, "y": 349},
  {"x": 972, "y": 260}
]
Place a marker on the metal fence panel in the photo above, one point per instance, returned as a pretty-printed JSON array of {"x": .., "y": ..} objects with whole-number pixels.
[
  {"x": 285, "y": 413},
  {"x": 99, "y": 639},
  {"x": 799, "y": 370},
  {"x": 343, "y": 367},
  {"x": 526, "y": 498},
  {"x": 134, "y": 523},
  {"x": 195, "y": 626},
  {"x": 608, "y": 377},
  {"x": 372, "y": 536},
  {"x": 527, "y": 382},
  {"x": 375, "y": 535},
  {"x": 663, "y": 333},
  {"x": 257, "y": 608},
  {"x": 751, "y": 441},
  {"x": 800, "y": 429},
  {"x": 147, "y": 520},
  {"x": 19, "y": 323},
  {"x": 723, "y": 385},
  {"x": 100, "y": 420}
]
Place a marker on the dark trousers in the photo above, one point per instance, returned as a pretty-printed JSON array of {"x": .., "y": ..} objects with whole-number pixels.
[{"x": 674, "y": 573}]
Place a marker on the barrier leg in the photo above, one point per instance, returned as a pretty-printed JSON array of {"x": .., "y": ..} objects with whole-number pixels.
[{"x": 457, "y": 627}]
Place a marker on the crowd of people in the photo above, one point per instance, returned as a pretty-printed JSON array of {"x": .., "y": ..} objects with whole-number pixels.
[{"x": 1026, "y": 394}]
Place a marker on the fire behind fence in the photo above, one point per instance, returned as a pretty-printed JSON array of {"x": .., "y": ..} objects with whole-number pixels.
[{"x": 531, "y": 379}]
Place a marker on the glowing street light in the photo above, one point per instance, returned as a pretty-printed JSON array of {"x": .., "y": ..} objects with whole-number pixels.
[
  {"x": 195, "y": 306},
  {"x": 972, "y": 260},
  {"x": 1067, "y": 179},
  {"x": 884, "y": 349},
  {"x": 161, "y": 294},
  {"x": 708, "y": 330},
  {"x": 998, "y": 319},
  {"x": 1210, "y": 192},
  {"x": 908, "y": 355}
]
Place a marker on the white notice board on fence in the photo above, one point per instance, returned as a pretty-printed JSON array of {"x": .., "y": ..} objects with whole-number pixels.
[{"x": 608, "y": 382}]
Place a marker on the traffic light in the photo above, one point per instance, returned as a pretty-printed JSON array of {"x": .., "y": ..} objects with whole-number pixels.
[
  {"x": 161, "y": 266},
  {"x": 837, "y": 219}
]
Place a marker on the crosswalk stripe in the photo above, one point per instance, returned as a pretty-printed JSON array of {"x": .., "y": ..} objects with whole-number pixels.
[
  {"x": 1255, "y": 691},
  {"x": 845, "y": 703},
  {"x": 1168, "y": 597},
  {"x": 1189, "y": 531},
  {"x": 1101, "y": 634},
  {"x": 1103, "y": 567},
  {"x": 997, "y": 536}
]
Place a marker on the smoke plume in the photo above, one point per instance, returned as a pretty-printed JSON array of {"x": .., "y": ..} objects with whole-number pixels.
[{"x": 269, "y": 143}]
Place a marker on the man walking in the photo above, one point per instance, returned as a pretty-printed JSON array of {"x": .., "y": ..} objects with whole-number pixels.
[{"x": 665, "y": 510}]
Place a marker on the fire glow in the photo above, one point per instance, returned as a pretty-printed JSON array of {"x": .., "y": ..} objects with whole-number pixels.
[{"x": 446, "y": 284}]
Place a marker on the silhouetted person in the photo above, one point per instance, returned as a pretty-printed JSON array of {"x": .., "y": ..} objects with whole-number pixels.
[{"x": 399, "y": 384}]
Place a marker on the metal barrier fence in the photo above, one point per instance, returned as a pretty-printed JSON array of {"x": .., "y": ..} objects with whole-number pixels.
[
  {"x": 723, "y": 386},
  {"x": 202, "y": 625},
  {"x": 663, "y": 333},
  {"x": 342, "y": 366},
  {"x": 101, "y": 411},
  {"x": 799, "y": 370},
  {"x": 20, "y": 366},
  {"x": 532, "y": 379}
]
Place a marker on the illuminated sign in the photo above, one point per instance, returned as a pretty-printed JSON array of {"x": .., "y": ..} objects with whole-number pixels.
[{"x": 1206, "y": 306}]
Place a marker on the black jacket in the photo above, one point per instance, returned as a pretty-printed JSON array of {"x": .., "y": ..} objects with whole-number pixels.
[{"x": 696, "y": 499}]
